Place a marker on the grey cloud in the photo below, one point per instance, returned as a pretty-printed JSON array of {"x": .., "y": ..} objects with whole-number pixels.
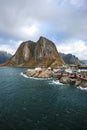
[{"x": 68, "y": 16}]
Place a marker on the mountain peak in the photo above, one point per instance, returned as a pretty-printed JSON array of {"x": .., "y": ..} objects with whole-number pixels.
[
  {"x": 41, "y": 53},
  {"x": 44, "y": 39},
  {"x": 41, "y": 37}
]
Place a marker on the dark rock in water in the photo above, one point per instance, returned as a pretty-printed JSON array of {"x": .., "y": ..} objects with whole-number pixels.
[
  {"x": 65, "y": 80},
  {"x": 84, "y": 83},
  {"x": 72, "y": 81},
  {"x": 76, "y": 82},
  {"x": 81, "y": 82}
]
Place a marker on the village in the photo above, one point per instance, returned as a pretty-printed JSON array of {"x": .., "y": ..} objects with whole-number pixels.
[
  {"x": 67, "y": 74},
  {"x": 72, "y": 71}
]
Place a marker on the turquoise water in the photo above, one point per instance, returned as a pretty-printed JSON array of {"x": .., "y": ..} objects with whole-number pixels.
[{"x": 31, "y": 104}]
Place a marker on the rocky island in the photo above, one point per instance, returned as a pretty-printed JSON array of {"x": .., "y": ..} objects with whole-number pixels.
[{"x": 62, "y": 76}]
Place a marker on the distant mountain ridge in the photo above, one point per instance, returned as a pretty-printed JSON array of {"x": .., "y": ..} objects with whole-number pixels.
[
  {"x": 84, "y": 61},
  {"x": 71, "y": 59},
  {"x": 4, "y": 56},
  {"x": 40, "y": 53}
]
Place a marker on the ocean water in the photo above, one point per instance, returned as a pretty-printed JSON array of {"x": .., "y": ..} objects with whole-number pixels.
[{"x": 35, "y": 104}]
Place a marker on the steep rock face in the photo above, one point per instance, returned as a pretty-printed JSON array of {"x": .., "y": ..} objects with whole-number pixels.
[
  {"x": 45, "y": 48},
  {"x": 24, "y": 53},
  {"x": 41, "y": 53}
]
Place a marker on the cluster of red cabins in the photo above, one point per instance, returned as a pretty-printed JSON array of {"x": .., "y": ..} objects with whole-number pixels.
[
  {"x": 63, "y": 72},
  {"x": 71, "y": 75}
]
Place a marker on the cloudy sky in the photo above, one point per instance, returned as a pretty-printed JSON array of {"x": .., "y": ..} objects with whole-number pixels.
[{"x": 62, "y": 21}]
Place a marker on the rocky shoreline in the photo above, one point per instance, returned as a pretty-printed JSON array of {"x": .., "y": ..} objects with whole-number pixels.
[
  {"x": 39, "y": 73},
  {"x": 48, "y": 73}
]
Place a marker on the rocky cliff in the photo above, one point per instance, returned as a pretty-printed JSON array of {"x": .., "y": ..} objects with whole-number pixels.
[{"x": 40, "y": 53}]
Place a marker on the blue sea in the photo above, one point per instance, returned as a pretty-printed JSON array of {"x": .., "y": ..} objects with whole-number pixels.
[{"x": 38, "y": 104}]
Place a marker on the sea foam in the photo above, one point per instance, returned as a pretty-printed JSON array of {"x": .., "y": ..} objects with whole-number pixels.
[
  {"x": 81, "y": 88},
  {"x": 24, "y": 75},
  {"x": 56, "y": 82}
]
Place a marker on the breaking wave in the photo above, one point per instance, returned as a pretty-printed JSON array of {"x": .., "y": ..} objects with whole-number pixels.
[
  {"x": 81, "y": 88},
  {"x": 24, "y": 75},
  {"x": 56, "y": 82}
]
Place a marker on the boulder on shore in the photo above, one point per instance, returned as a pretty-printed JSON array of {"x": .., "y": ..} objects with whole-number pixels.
[
  {"x": 73, "y": 81},
  {"x": 30, "y": 73},
  {"x": 78, "y": 82},
  {"x": 84, "y": 83},
  {"x": 81, "y": 82},
  {"x": 39, "y": 74},
  {"x": 65, "y": 80}
]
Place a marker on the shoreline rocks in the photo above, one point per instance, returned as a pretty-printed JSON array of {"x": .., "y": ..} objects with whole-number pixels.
[
  {"x": 81, "y": 82},
  {"x": 76, "y": 81},
  {"x": 65, "y": 80},
  {"x": 39, "y": 73},
  {"x": 45, "y": 73}
]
